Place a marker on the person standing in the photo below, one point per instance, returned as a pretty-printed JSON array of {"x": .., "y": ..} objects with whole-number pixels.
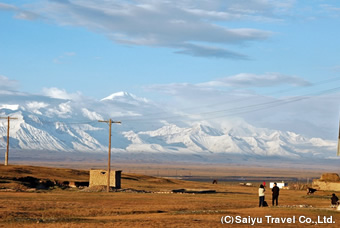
[
  {"x": 275, "y": 196},
  {"x": 334, "y": 200},
  {"x": 261, "y": 195}
]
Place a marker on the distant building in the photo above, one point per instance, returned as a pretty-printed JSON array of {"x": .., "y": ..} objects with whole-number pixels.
[
  {"x": 99, "y": 177},
  {"x": 281, "y": 185}
]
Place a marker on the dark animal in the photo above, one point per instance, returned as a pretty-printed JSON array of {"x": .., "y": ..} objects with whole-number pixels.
[
  {"x": 214, "y": 182},
  {"x": 310, "y": 191}
]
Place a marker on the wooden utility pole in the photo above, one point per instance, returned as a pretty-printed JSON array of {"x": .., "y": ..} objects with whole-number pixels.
[
  {"x": 110, "y": 122},
  {"x": 8, "y": 121}
]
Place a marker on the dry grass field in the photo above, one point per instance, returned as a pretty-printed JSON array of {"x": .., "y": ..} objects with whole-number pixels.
[{"x": 147, "y": 202}]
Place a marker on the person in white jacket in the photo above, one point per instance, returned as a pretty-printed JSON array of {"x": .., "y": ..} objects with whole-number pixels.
[{"x": 261, "y": 195}]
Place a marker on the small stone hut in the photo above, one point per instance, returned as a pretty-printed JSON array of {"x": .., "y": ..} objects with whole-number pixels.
[
  {"x": 327, "y": 182},
  {"x": 99, "y": 177}
]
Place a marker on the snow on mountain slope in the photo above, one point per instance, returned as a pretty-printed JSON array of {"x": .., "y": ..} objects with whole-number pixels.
[
  {"x": 125, "y": 97},
  {"x": 197, "y": 139},
  {"x": 66, "y": 125}
]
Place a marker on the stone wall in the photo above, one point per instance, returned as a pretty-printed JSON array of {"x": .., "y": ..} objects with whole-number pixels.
[{"x": 99, "y": 177}]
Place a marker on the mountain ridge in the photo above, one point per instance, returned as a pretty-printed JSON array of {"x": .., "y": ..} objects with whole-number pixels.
[{"x": 66, "y": 125}]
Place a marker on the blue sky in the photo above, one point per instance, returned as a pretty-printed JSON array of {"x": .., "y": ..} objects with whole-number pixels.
[{"x": 190, "y": 52}]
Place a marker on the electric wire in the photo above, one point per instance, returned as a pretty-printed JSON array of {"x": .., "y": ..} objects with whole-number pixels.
[
  {"x": 251, "y": 98},
  {"x": 243, "y": 109}
]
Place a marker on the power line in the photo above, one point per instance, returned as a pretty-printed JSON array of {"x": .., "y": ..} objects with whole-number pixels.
[
  {"x": 252, "y": 98},
  {"x": 243, "y": 109},
  {"x": 273, "y": 103}
]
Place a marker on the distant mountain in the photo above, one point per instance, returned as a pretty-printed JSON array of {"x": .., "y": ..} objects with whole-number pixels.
[
  {"x": 125, "y": 97},
  {"x": 69, "y": 125}
]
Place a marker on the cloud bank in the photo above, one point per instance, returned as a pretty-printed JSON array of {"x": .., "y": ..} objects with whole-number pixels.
[
  {"x": 255, "y": 80},
  {"x": 198, "y": 28},
  {"x": 8, "y": 84},
  {"x": 19, "y": 13},
  {"x": 312, "y": 110}
]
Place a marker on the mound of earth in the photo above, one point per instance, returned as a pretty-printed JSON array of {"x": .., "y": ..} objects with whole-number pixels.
[{"x": 331, "y": 177}]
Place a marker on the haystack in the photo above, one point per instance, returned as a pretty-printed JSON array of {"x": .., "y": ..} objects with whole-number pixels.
[{"x": 331, "y": 177}]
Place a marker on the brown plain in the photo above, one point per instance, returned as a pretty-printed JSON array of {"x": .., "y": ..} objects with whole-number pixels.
[{"x": 78, "y": 208}]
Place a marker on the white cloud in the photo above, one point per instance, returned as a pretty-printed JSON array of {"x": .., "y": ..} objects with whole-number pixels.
[
  {"x": 91, "y": 115},
  {"x": 34, "y": 106},
  {"x": 242, "y": 80},
  {"x": 4, "y": 6},
  {"x": 61, "y": 94},
  {"x": 333, "y": 10},
  {"x": 180, "y": 25},
  {"x": 255, "y": 80},
  {"x": 206, "y": 51},
  {"x": 63, "y": 110},
  {"x": 313, "y": 111},
  {"x": 65, "y": 107},
  {"x": 19, "y": 13},
  {"x": 8, "y": 84}
]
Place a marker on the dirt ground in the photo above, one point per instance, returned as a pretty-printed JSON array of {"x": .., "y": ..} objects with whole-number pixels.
[{"x": 148, "y": 202}]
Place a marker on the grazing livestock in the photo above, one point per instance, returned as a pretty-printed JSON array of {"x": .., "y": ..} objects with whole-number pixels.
[{"x": 310, "y": 191}]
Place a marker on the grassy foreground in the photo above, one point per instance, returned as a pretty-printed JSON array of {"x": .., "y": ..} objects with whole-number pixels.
[{"x": 156, "y": 206}]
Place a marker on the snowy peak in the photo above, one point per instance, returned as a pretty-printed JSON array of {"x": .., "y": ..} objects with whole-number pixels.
[
  {"x": 200, "y": 128},
  {"x": 118, "y": 95},
  {"x": 125, "y": 97}
]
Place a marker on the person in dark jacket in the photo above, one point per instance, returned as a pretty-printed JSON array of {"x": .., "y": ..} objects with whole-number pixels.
[
  {"x": 275, "y": 196},
  {"x": 334, "y": 200}
]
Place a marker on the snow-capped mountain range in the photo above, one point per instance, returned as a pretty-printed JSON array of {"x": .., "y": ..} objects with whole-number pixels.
[{"x": 53, "y": 124}]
